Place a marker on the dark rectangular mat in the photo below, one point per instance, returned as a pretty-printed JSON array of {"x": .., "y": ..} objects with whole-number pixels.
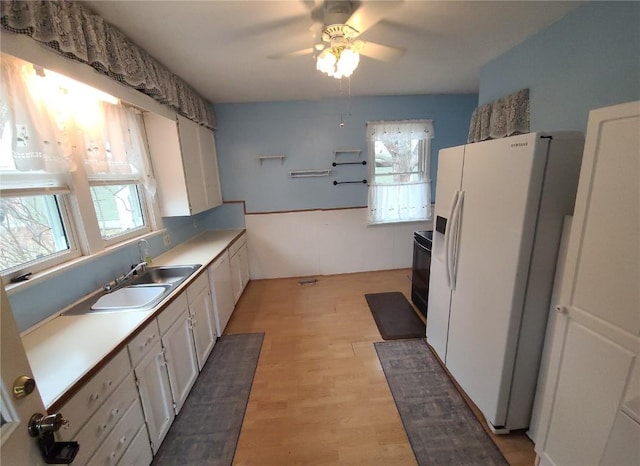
[
  {"x": 394, "y": 316},
  {"x": 207, "y": 429},
  {"x": 441, "y": 427}
]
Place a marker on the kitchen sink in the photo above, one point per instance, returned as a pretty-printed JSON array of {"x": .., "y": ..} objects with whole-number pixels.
[
  {"x": 131, "y": 297},
  {"x": 162, "y": 275},
  {"x": 141, "y": 293}
]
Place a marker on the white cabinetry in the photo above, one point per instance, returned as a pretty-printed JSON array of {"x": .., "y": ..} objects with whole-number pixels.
[
  {"x": 222, "y": 290},
  {"x": 179, "y": 351},
  {"x": 152, "y": 378},
  {"x": 99, "y": 413},
  {"x": 185, "y": 165},
  {"x": 118, "y": 440},
  {"x": 239, "y": 267},
  {"x": 592, "y": 396},
  {"x": 138, "y": 453},
  {"x": 202, "y": 318}
]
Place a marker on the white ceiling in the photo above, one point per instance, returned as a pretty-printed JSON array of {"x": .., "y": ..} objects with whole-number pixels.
[{"x": 221, "y": 48}]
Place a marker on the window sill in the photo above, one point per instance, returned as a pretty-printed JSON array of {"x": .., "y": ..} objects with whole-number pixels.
[
  {"x": 62, "y": 268},
  {"x": 429, "y": 221}
]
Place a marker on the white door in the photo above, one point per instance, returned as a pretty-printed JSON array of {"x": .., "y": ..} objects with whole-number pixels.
[
  {"x": 220, "y": 282},
  {"x": 17, "y": 447},
  {"x": 600, "y": 297},
  {"x": 450, "y": 163},
  {"x": 236, "y": 277},
  {"x": 155, "y": 394},
  {"x": 181, "y": 359},
  {"x": 209, "y": 160},
  {"x": 188, "y": 131},
  {"x": 244, "y": 266},
  {"x": 498, "y": 221},
  {"x": 203, "y": 325}
]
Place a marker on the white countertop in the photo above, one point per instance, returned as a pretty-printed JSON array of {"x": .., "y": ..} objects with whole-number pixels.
[{"x": 66, "y": 348}]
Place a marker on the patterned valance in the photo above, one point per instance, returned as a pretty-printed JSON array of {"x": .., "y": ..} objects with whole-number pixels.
[
  {"x": 76, "y": 33},
  {"x": 503, "y": 117}
]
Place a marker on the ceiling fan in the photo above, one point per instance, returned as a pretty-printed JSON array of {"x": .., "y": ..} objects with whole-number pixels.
[{"x": 339, "y": 23}]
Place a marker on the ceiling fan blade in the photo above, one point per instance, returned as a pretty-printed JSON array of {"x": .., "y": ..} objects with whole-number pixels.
[
  {"x": 370, "y": 14},
  {"x": 297, "y": 53},
  {"x": 379, "y": 51}
]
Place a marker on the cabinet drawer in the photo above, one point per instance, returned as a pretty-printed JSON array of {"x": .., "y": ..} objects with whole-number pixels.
[
  {"x": 109, "y": 453},
  {"x": 238, "y": 244},
  {"x": 171, "y": 313},
  {"x": 139, "y": 452},
  {"x": 105, "y": 418},
  {"x": 143, "y": 342},
  {"x": 195, "y": 288},
  {"x": 84, "y": 403}
]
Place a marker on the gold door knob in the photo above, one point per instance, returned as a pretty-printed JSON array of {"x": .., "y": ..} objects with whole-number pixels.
[{"x": 23, "y": 386}]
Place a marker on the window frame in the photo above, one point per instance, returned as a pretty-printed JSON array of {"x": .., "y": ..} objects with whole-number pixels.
[
  {"x": 63, "y": 201},
  {"x": 384, "y": 203},
  {"x": 144, "y": 210},
  {"x": 79, "y": 219},
  {"x": 424, "y": 156}
]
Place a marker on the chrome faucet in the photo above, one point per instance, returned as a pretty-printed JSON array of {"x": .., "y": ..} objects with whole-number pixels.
[
  {"x": 111, "y": 286},
  {"x": 142, "y": 266},
  {"x": 143, "y": 248}
]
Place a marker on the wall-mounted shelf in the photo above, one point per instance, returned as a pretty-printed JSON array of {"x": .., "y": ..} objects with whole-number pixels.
[
  {"x": 262, "y": 158},
  {"x": 338, "y": 152},
  {"x": 336, "y": 183},
  {"x": 335, "y": 164},
  {"x": 309, "y": 173}
]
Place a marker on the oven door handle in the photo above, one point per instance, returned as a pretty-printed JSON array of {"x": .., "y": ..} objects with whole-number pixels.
[{"x": 424, "y": 248}]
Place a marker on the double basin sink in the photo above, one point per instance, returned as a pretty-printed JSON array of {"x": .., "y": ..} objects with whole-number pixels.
[{"x": 140, "y": 293}]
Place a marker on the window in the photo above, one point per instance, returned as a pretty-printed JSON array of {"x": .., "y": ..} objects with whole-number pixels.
[
  {"x": 399, "y": 158},
  {"x": 73, "y": 162}
]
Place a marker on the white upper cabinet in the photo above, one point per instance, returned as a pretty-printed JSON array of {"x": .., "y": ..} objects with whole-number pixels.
[{"x": 185, "y": 165}]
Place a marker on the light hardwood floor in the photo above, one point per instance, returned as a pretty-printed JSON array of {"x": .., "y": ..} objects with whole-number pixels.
[{"x": 319, "y": 396}]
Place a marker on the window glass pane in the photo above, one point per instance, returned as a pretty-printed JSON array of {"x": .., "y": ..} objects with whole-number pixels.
[
  {"x": 118, "y": 208},
  {"x": 31, "y": 228},
  {"x": 402, "y": 158}
]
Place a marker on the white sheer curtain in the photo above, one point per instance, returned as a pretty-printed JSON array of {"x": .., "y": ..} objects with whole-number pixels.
[
  {"x": 400, "y": 188},
  {"x": 54, "y": 124}
]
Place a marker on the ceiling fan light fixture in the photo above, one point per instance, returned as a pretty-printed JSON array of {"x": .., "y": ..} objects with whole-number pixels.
[{"x": 339, "y": 62}]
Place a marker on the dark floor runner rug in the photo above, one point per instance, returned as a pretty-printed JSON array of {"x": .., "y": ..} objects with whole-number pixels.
[
  {"x": 441, "y": 427},
  {"x": 394, "y": 316},
  {"x": 207, "y": 429}
]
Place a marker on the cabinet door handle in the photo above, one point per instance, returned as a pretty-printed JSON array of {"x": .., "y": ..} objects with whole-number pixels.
[{"x": 94, "y": 396}]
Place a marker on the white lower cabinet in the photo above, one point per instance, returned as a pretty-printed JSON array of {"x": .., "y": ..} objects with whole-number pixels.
[
  {"x": 180, "y": 354},
  {"x": 202, "y": 319},
  {"x": 118, "y": 440},
  {"x": 239, "y": 263},
  {"x": 138, "y": 453},
  {"x": 152, "y": 380},
  {"x": 79, "y": 409},
  {"x": 155, "y": 395},
  {"x": 221, "y": 290},
  {"x": 105, "y": 418}
]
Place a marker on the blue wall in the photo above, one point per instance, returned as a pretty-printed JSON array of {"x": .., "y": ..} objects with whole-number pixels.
[
  {"x": 307, "y": 133},
  {"x": 586, "y": 60},
  {"x": 41, "y": 300}
]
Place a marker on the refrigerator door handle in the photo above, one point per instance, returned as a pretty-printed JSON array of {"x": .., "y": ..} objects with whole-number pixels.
[
  {"x": 455, "y": 240},
  {"x": 447, "y": 236}
]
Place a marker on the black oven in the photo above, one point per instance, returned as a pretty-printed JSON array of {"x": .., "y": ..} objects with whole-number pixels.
[{"x": 420, "y": 270}]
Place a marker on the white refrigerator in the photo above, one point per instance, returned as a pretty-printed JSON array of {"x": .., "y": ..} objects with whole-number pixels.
[{"x": 498, "y": 218}]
